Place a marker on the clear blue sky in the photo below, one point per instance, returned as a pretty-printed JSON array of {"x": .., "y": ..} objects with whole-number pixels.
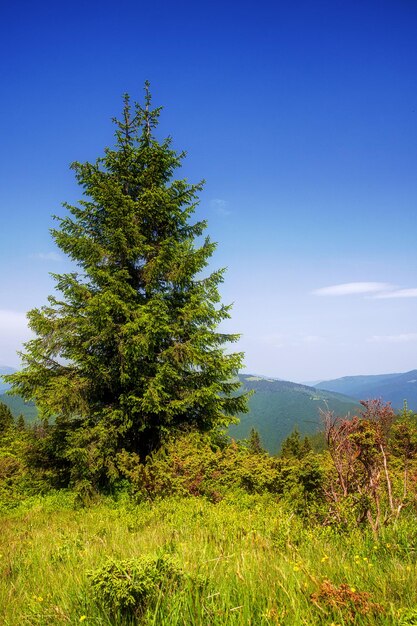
[{"x": 302, "y": 118}]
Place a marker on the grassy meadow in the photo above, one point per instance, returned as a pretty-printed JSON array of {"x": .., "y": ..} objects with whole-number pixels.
[{"x": 245, "y": 560}]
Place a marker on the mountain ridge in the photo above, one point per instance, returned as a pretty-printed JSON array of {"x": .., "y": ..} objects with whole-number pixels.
[
  {"x": 394, "y": 388},
  {"x": 5, "y": 369},
  {"x": 279, "y": 406}
]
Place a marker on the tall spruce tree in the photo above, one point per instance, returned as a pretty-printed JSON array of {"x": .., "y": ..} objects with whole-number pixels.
[
  {"x": 130, "y": 349},
  {"x": 6, "y": 418}
]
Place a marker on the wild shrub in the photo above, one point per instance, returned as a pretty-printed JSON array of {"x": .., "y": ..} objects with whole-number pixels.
[
  {"x": 196, "y": 465},
  {"x": 345, "y": 600},
  {"x": 16, "y": 478},
  {"x": 129, "y": 587},
  {"x": 373, "y": 465}
]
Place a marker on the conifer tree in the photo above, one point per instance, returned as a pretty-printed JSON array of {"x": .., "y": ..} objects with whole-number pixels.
[
  {"x": 292, "y": 446},
  {"x": 254, "y": 442},
  {"x": 20, "y": 422},
  {"x": 6, "y": 418},
  {"x": 129, "y": 350}
]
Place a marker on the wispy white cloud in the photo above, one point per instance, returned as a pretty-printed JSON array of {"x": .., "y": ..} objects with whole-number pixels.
[
  {"x": 220, "y": 206},
  {"x": 401, "y": 338},
  {"x": 347, "y": 289},
  {"x": 374, "y": 290},
  {"x": 398, "y": 293},
  {"x": 47, "y": 256}
]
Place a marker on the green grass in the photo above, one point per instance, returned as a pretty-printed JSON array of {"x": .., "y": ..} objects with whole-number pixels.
[{"x": 261, "y": 563}]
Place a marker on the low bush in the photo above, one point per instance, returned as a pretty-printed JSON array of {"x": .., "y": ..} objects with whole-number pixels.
[
  {"x": 129, "y": 587},
  {"x": 196, "y": 465}
]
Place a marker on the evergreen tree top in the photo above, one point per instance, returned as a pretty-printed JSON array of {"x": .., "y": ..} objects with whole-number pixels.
[{"x": 131, "y": 346}]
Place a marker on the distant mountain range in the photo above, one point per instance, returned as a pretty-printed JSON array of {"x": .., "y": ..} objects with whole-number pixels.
[
  {"x": 19, "y": 407},
  {"x": 394, "y": 388},
  {"x": 278, "y": 406},
  {"x": 5, "y": 370},
  {"x": 15, "y": 403}
]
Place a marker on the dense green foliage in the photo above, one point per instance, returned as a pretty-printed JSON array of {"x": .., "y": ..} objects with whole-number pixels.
[
  {"x": 129, "y": 350},
  {"x": 366, "y": 475},
  {"x": 6, "y": 418},
  {"x": 129, "y": 588}
]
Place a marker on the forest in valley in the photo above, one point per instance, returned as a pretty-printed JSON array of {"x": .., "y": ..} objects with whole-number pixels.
[{"x": 126, "y": 501}]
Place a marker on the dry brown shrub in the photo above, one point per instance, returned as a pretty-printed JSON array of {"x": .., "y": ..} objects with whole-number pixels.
[{"x": 346, "y": 599}]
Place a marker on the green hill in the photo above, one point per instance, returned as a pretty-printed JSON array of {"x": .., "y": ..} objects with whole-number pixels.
[
  {"x": 394, "y": 388},
  {"x": 19, "y": 407},
  {"x": 15, "y": 403},
  {"x": 278, "y": 406}
]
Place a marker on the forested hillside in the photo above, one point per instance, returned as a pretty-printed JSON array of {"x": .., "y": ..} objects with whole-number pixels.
[
  {"x": 19, "y": 407},
  {"x": 277, "y": 407},
  {"x": 394, "y": 388}
]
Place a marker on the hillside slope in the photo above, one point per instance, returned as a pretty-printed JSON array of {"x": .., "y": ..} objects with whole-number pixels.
[
  {"x": 278, "y": 406},
  {"x": 18, "y": 407},
  {"x": 394, "y": 388}
]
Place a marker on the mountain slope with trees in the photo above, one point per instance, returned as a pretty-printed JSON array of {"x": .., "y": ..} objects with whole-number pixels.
[
  {"x": 394, "y": 388},
  {"x": 19, "y": 407},
  {"x": 277, "y": 407}
]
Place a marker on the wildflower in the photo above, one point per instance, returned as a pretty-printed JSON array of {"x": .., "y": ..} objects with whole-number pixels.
[
  {"x": 388, "y": 545},
  {"x": 296, "y": 568},
  {"x": 269, "y": 613},
  {"x": 353, "y": 590},
  {"x": 83, "y": 618},
  {"x": 39, "y": 599},
  {"x": 325, "y": 558}
]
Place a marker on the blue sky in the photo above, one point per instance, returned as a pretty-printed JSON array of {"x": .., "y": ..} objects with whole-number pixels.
[{"x": 302, "y": 118}]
